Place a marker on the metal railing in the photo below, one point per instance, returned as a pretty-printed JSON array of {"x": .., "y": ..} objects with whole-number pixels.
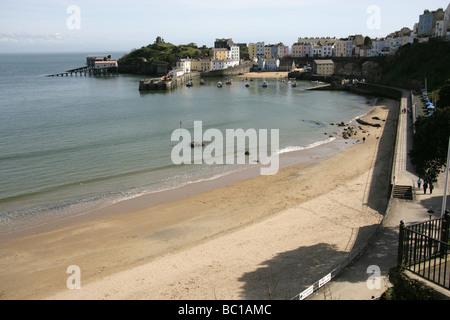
[{"x": 423, "y": 249}]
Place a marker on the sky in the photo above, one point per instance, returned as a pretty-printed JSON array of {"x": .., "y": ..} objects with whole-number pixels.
[{"x": 28, "y": 26}]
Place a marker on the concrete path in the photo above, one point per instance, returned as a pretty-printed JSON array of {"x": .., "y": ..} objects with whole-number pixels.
[{"x": 367, "y": 276}]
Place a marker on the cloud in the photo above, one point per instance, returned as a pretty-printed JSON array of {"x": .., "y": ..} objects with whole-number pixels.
[{"x": 26, "y": 38}]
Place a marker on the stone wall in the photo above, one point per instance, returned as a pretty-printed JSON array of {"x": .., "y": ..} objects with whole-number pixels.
[{"x": 241, "y": 69}]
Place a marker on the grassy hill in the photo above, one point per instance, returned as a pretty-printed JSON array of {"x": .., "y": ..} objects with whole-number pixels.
[{"x": 144, "y": 60}]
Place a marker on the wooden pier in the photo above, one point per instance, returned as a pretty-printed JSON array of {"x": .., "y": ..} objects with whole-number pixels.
[
  {"x": 321, "y": 86},
  {"x": 84, "y": 71},
  {"x": 77, "y": 71}
]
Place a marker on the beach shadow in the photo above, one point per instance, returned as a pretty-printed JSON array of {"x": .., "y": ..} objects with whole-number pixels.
[
  {"x": 433, "y": 205},
  {"x": 291, "y": 272},
  {"x": 381, "y": 252}
]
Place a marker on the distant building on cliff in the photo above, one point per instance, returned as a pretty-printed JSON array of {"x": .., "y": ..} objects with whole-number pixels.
[
  {"x": 442, "y": 28},
  {"x": 256, "y": 50},
  {"x": 427, "y": 22},
  {"x": 223, "y": 43},
  {"x": 159, "y": 40}
]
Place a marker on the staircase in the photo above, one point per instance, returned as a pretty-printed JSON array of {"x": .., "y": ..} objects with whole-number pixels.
[{"x": 403, "y": 192}]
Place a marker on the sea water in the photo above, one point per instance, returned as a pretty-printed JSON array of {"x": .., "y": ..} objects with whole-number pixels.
[{"x": 68, "y": 144}]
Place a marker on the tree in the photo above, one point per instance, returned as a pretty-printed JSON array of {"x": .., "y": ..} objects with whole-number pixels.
[
  {"x": 367, "y": 41},
  {"x": 430, "y": 143},
  {"x": 444, "y": 95}
]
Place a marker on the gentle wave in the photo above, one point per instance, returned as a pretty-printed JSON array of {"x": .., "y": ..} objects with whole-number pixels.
[
  {"x": 309, "y": 146},
  {"x": 89, "y": 203}
]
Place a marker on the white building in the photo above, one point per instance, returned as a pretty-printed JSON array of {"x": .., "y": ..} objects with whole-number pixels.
[
  {"x": 317, "y": 51},
  {"x": 328, "y": 50},
  {"x": 101, "y": 65},
  {"x": 176, "y": 73},
  {"x": 185, "y": 65},
  {"x": 224, "y": 64},
  {"x": 269, "y": 64},
  {"x": 323, "y": 51},
  {"x": 234, "y": 52},
  {"x": 443, "y": 26}
]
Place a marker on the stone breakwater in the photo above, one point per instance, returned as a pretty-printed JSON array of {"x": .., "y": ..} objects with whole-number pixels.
[
  {"x": 166, "y": 84},
  {"x": 155, "y": 84}
]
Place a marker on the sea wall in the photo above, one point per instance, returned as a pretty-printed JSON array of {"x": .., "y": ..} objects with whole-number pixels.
[
  {"x": 156, "y": 84},
  {"x": 378, "y": 90},
  {"x": 233, "y": 71}
]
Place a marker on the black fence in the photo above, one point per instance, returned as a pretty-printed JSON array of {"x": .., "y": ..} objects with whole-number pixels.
[{"x": 423, "y": 249}]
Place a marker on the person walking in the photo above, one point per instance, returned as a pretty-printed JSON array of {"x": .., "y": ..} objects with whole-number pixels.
[
  {"x": 419, "y": 183},
  {"x": 425, "y": 187},
  {"x": 431, "y": 187}
]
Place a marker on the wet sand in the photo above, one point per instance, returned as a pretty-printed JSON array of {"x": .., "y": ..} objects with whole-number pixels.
[
  {"x": 240, "y": 237},
  {"x": 265, "y": 75}
]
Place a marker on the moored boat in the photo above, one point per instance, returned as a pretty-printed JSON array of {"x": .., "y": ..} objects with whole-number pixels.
[
  {"x": 265, "y": 84},
  {"x": 219, "y": 84}
]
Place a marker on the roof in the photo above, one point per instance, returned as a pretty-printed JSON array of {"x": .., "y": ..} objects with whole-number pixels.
[
  {"x": 324, "y": 61},
  {"x": 108, "y": 61},
  {"x": 97, "y": 55}
]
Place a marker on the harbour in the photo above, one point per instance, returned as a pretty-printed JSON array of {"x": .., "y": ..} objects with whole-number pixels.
[
  {"x": 62, "y": 154},
  {"x": 175, "y": 79}
]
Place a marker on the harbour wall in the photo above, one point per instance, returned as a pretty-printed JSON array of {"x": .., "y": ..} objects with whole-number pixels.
[
  {"x": 233, "y": 71},
  {"x": 156, "y": 84}
]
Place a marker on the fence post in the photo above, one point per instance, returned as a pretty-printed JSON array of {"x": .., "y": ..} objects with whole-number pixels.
[
  {"x": 400, "y": 244},
  {"x": 444, "y": 233}
]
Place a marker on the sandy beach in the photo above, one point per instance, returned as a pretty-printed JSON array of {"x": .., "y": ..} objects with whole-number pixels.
[
  {"x": 265, "y": 75},
  {"x": 265, "y": 237}
]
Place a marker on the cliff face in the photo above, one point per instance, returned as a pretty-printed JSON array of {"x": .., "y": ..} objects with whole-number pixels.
[
  {"x": 408, "y": 68},
  {"x": 412, "y": 64}
]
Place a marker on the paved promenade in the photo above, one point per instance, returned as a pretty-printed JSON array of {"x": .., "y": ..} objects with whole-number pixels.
[{"x": 352, "y": 283}]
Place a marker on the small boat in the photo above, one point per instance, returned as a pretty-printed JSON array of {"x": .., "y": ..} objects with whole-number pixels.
[
  {"x": 247, "y": 85},
  {"x": 229, "y": 82},
  {"x": 219, "y": 84},
  {"x": 202, "y": 82},
  {"x": 265, "y": 84},
  {"x": 294, "y": 85},
  {"x": 189, "y": 84},
  {"x": 197, "y": 144}
]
